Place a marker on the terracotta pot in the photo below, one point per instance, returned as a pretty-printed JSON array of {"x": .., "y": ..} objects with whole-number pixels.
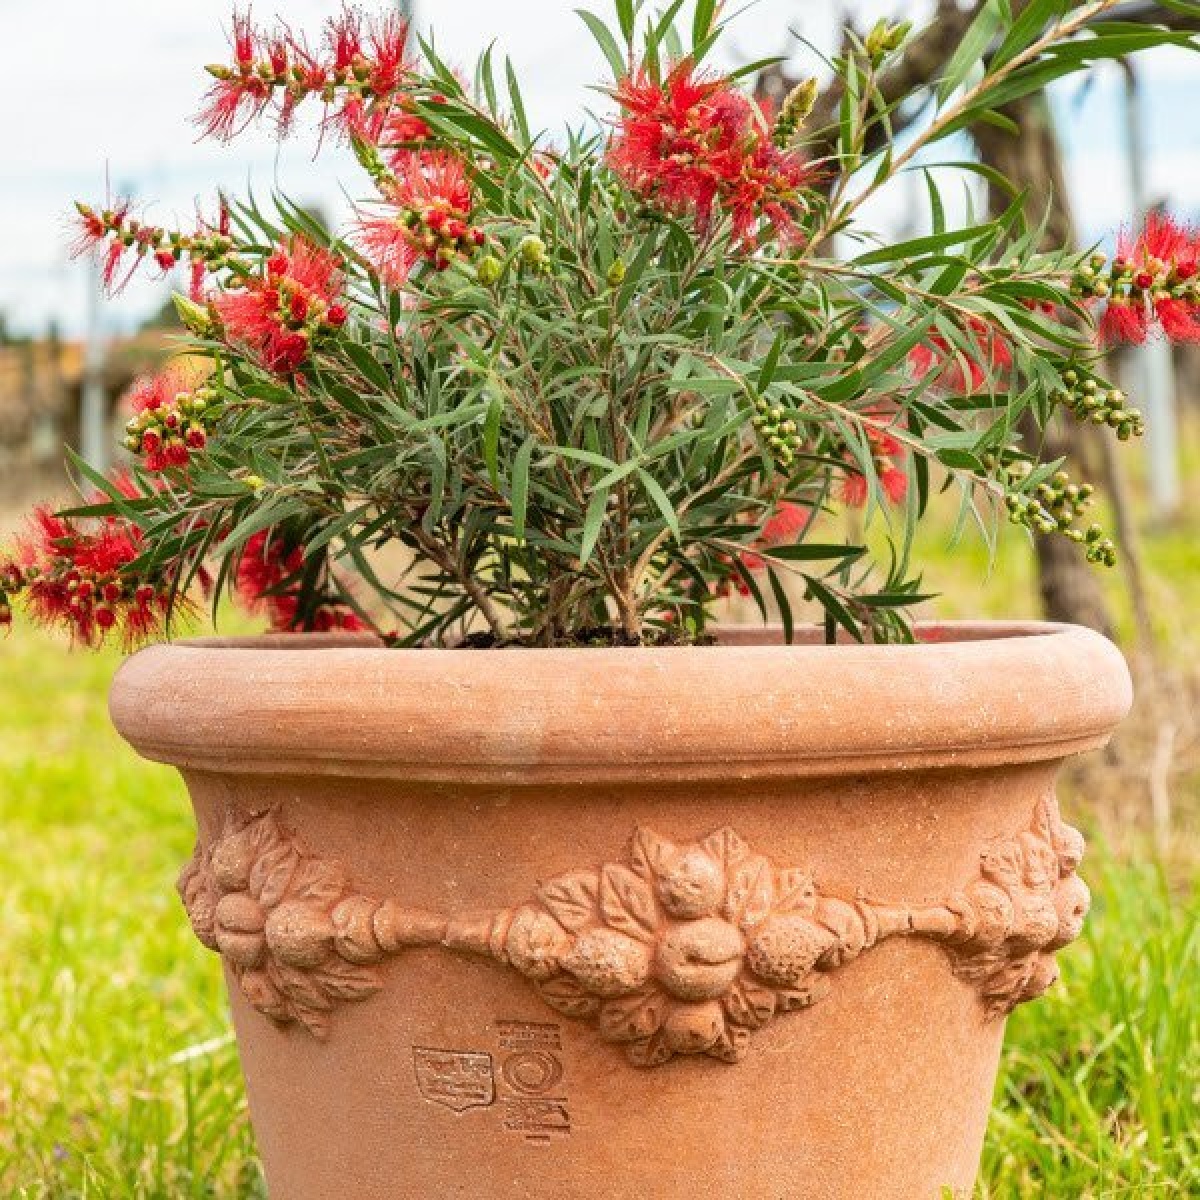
[{"x": 739, "y": 921}]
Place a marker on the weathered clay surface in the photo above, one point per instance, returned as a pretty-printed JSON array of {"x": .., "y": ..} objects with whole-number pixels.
[{"x": 425, "y": 859}]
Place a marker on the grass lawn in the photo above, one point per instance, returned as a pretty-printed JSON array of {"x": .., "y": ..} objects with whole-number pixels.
[{"x": 118, "y": 1078}]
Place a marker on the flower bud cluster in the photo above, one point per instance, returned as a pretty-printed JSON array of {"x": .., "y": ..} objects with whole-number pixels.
[
  {"x": 11, "y": 582},
  {"x": 778, "y": 431},
  {"x": 1152, "y": 283},
  {"x": 489, "y": 270},
  {"x": 168, "y": 247},
  {"x": 885, "y": 38},
  {"x": 1090, "y": 400},
  {"x": 1146, "y": 276},
  {"x": 796, "y": 109},
  {"x": 170, "y": 428},
  {"x": 534, "y": 254},
  {"x": 1054, "y": 506},
  {"x": 440, "y": 235}
]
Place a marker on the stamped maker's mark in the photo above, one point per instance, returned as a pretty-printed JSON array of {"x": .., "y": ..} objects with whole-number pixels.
[
  {"x": 457, "y": 1079},
  {"x": 530, "y": 1082},
  {"x": 532, "y": 1077}
]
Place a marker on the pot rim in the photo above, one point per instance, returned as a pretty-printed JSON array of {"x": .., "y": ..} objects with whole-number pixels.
[{"x": 967, "y": 695}]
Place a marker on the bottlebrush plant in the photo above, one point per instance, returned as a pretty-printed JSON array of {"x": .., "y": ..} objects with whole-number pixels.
[{"x": 592, "y": 385}]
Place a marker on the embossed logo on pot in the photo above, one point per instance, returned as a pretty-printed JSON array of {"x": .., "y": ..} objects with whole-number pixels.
[{"x": 457, "y": 1079}]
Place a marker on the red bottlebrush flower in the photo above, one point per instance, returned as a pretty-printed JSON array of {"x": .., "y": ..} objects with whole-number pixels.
[
  {"x": 1164, "y": 243},
  {"x": 399, "y": 130},
  {"x": 1124, "y": 322},
  {"x": 767, "y": 186},
  {"x": 268, "y": 580},
  {"x": 1153, "y": 281},
  {"x": 372, "y": 63},
  {"x": 244, "y": 40},
  {"x": 231, "y": 105},
  {"x": 784, "y": 525},
  {"x": 1179, "y": 319},
  {"x": 894, "y": 483},
  {"x": 197, "y": 273},
  {"x": 695, "y": 144},
  {"x": 170, "y": 419},
  {"x": 279, "y": 314},
  {"x": 389, "y": 62},
  {"x": 854, "y": 490},
  {"x": 963, "y": 373},
  {"x": 893, "y": 480},
  {"x": 344, "y": 35},
  {"x": 106, "y": 232},
  {"x": 239, "y": 93},
  {"x": 431, "y": 205},
  {"x": 79, "y": 576},
  {"x": 122, "y": 237}
]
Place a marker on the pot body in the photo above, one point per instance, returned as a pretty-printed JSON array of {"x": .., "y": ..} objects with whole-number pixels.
[{"x": 497, "y": 928}]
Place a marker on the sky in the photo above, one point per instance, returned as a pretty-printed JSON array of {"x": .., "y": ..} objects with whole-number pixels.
[{"x": 113, "y": 111}]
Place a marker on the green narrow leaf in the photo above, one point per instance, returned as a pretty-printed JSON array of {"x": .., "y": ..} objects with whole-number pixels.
[
  {"x": 767, "y": 374},
  {"x": 520, "y": 488},
  {"x": 666, "y": 22},
  {"x": 929, "y": 243},
  {"x": 835, "y": 611},
  {"x": 593, "y": 523},
  {"x": 989, "y": 116},
  {"x": 605, "y": 40},
  {"x": 661, "y": 500},
  {"x": 1028, "y": 27},
  {"x": 702, "y": 22},
  {"x": 487, "y": 80},
  {"x": 491, "y": 438},
  {"x": 747, "y": 577},
  {"x": 520, "y": 117},
  {"x": 784, "y": 605},
  {"x": 811, "y": 552},
  {"x": 971, "y": 50},
  {"x": 627, "y": 11},
  {"x": 437, "y": 482},
  {"x": 937, "y": 210}
]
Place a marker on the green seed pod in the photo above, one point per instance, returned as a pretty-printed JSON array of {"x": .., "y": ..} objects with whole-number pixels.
[
  {"x": 489, "y": 270},
  {"x": 533, "y": 250}
]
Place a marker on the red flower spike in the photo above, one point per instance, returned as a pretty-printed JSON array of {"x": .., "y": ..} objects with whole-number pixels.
[
  {"x": 696, "y": 144},
  {"x": 885, "y": 450},
  {"x": 783, "y": 526},
  {"x": 388, "y": 38},
  {"x": 268, "y": 581},
  {"x": 238, "y": 94},
  {"x": 954, "y": 371},
  {"x": 1178, "y": 319},
  {"x": 168, "y": 422},
  {"x": 1124, "y": 322},
  {"x": 344, "y": 36},
  {"x": 77, "y": 575},
  {"x": 244, "y": 40},
  {"x": 853, "y": 491},
  {"x": 280, "y": 314},
  {"x": 429, "y": 220},
  {"x": 1152, "y": 283},
  {"x": 894, "y": 483}
]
